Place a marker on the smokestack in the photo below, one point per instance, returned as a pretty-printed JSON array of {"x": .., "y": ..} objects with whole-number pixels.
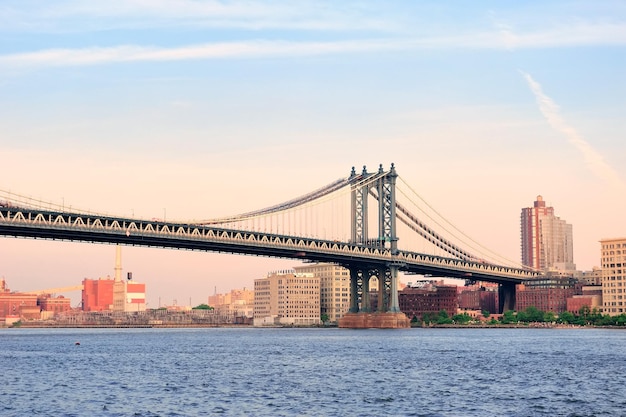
[{"x": 118, "y": 263}]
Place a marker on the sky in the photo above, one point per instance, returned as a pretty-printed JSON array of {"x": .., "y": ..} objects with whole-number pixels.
[{"x": 201, "y": 109}]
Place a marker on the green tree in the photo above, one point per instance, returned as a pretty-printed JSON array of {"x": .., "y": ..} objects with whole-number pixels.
[
  {"x": 461, "y": 318},
  {"x": 566, "y": 318},
  {"x": 324, "y": 318},
  {"x": 584, "y": 311},
  {"x": 443, "y": 318},
  {"x": 549, "y": 317},
  {"x": 534, "y": 315},
  {"x": 203, "y": 307},
  {"x": 486, "y": 314},
  {"x": 427, "y": 318},
  {"x": 594, "y": 317},
  {"x": 509, "y": 317}
]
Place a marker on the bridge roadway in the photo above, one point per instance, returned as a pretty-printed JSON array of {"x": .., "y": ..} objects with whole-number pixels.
[{"x": 82, "y": 227}]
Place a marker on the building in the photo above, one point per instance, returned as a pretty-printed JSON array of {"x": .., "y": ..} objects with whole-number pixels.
[
  {"x": 546, "y": 240},
  {"x": 97, "y": 294},
  {"x": 16, "y": 305},
  {"x": 480, "y": 297},
  {"x": 287, "y": 298},
  {"x": 428, "y": 297},
  {"x": 593, "y": 277},
  {"x": 590, "y": 297},
  {"x": 106, "y": 294},
  {"x": 53, "y": 305},
  {"x": 334, "y": 288},
  {"x": 613, "y": 257},
  {"x": 238, "y": 303},
  {"x": 128, "y": 296},
  {"x": 548, "y": 293}
]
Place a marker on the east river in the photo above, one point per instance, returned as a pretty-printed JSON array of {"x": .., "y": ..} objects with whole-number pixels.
[{"x": 312, "y": 372}]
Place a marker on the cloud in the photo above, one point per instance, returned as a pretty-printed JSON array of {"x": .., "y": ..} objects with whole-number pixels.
[
  {"x": 74, "y": 16},
  {"x": 133, "y": 53},
  {"x": 261, "y": 48},
  {"x": 594, "y": 160}
]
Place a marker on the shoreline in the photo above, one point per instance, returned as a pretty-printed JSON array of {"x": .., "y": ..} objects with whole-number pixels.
[{"x": 248, "y": 326}]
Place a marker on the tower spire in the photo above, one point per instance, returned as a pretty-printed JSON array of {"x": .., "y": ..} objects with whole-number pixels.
[{"x": 118, "y": 263}]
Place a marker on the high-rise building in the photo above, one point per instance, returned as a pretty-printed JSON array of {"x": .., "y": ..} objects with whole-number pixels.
[
  {"x": 547, "y": 241},
  {"x": 613, "y": 252},
  {"x": 334, "y": 288},
  {"x": 287, "y": 297}
]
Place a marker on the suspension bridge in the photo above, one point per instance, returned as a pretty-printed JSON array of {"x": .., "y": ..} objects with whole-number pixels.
[{"x": 330, "y": 224}]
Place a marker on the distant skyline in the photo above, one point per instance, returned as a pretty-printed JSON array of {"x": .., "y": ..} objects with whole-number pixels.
[{"x": 199, "y": 109}]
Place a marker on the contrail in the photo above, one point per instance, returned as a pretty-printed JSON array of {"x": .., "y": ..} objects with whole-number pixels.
[{"x": 593, "y": 159}]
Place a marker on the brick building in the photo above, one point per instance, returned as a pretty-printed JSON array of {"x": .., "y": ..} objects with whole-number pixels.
[
  {"x": 480, "y": 297},
  {"x": 97, "y": 294},
  {"x": 430, "y": 297},
  {"x": 15, "y": 305},
  {"x": 54, "y": 305},
  {"x": 545, "y": 294}
]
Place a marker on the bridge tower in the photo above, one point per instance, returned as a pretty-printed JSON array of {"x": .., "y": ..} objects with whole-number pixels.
[{"x": 383, "y": 189}]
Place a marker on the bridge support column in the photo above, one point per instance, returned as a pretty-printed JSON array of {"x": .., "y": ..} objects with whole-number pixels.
[
  {"x": 381, "y": 273},
  {"x": 394, "y": 305},
  {"x": 354, "y": 290},
  {"x": 365, "y": 292},
  {"x": 506, "y": 297}
]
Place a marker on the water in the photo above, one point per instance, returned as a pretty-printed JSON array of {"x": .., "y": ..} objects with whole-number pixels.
[{"x": 313, "y": 372}]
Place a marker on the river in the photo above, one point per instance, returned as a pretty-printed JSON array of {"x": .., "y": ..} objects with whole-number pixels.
[{"x": 313, "y": 372}]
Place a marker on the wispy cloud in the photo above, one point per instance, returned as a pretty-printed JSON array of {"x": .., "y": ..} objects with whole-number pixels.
[
  {"x": 260, "y": 48},
  {"x": 579, "y": 34},
  {"x": 594, "y": 160},
  {"x": 133, "y": 53},
  {"x": 72, "y": 16}
]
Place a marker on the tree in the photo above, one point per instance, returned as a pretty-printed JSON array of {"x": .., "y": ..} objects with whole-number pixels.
[
  {"x": 566, "y": 318},
  {"x": 509, "y": 317},
  {"x": 203, "y": 307},
  {"x": 534, "y": 315},
  {"x": 584, "y": 311},
  {"x": 443, "y": 318},
  {"x": 427, "y": 318},
  {"x": 461, "y": 318},
  {"x": 486, "y": 314},
  {"x": 549, "y": 317},
  {"x": 324, "y": 318}
]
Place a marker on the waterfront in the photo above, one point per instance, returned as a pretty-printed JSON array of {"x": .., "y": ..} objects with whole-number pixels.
[{"x": 312, "y": 372}]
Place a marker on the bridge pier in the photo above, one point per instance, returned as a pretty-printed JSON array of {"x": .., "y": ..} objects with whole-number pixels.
[
  {"x": 388, "y": 314},
  {"x": 506, "y": 297}
]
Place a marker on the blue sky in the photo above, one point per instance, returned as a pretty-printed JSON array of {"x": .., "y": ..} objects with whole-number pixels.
[{"x": 205, "y": 109}]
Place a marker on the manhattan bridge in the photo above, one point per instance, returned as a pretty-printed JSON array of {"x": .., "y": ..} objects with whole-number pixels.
[{"x": 372, "y": 223}]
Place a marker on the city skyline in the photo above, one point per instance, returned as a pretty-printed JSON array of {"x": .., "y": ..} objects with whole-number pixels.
[{"x": 194, "y": 110}]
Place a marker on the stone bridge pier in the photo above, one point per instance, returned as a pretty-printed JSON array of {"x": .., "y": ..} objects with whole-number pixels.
[{"x": 361, "y": 314}]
